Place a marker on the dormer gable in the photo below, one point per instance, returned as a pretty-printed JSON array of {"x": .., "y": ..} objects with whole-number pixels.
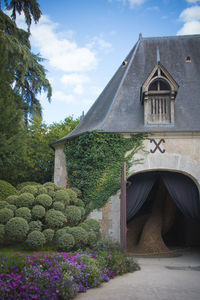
[{"x": 158, "y": 94}]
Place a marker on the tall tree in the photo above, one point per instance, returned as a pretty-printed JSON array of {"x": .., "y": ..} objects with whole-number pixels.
[{"x": 25, "y": 69}]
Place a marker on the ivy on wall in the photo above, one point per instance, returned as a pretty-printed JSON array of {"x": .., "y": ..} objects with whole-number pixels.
[{"x": 94, "y": 164}]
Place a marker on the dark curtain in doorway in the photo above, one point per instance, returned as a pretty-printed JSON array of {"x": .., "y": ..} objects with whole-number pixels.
[{"x": 181, "y": 188}]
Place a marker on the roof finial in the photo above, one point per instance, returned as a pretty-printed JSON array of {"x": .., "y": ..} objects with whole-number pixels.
[
  {"x": 140, "y": 36},
  {"x": 158, "y": 55}
]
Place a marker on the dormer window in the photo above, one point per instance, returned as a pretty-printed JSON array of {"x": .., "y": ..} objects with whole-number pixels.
[{"x": 158, "y": 95}]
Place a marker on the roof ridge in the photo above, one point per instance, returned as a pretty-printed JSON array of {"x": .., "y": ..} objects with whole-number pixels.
[
  {"x": 170, "y": 36},
  {"x": 121, "y": 83}
]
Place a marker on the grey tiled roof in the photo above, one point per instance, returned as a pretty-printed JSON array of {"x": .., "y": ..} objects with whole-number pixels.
[{"x": 119, "y": 109}]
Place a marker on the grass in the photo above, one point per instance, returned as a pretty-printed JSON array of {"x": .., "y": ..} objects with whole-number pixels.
[{"x": 9, "y": 250}]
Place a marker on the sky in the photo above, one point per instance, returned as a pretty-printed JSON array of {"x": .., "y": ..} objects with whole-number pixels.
[{"x": 85, "y": 41}]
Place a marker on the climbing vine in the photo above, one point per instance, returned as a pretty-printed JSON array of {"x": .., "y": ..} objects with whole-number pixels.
[{"x": 94, "y": 163}]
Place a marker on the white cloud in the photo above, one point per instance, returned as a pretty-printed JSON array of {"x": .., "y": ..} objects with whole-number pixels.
[
  {"x": 191, "y": 18},
  {"x": 61, "y": 96},
  {"x": 99, "y": 43},
  {"x": 193, "y": 1},
  {"x": 76, "y": 81},
  {"x": 132, "y": 3},
  {"x": 62, "y": 53}
]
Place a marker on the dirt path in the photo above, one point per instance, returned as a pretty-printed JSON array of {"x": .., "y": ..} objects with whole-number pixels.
[{"x": 159, "y": 279}]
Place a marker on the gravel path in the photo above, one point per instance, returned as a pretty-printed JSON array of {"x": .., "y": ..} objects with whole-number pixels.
[{"x": 159, "y": 279}]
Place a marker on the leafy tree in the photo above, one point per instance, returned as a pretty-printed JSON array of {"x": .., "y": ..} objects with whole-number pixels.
[{"x": 25, "y": 69}]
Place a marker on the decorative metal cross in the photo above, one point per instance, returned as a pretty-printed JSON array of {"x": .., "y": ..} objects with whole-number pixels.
[{"x": 157, "y": 146}]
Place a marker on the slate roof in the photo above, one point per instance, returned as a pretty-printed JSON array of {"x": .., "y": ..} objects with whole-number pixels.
[{"x": 119, "y": 109}]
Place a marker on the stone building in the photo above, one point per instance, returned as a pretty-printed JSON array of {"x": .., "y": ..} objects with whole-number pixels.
[{"x": 156, "y": 91}]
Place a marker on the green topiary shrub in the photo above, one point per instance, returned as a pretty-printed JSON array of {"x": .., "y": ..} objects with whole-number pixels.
[
  {"x": 23, "y": 212},
  {"x": 77, "y": 191},
  {"x": 55, "y": 218},
  {"x": 32, "y": 189},
  {"x": 60, "y": 232},
  {"x": 2, "y": 233},
  {"x": 81, "y": 237},
  {"x": 6, "y": 189},
  {"x": 65, "y": 242},
  {"x": 38, "y": 212},
  {"x": 25, "y": 200},
  {"x": 35, "y": 240},
  {"x": 92, "y": 225},
  {"x": 23, "y": 184},
  {"x": 63, "y": 196},
  {"x": 5, "y": 215},
  {"x": 35, "y": 225},
  {"x": 59, "y": 206},
  {"x": 72, "y": 196},
  {"x": 51, "y": 193},
  {"x": 92, "y": 239},
  {"x": 49, "y": 234},
  {"x": 3, "y": 204},
  {"x": 12, "y": 199},
  {"x": 11, "y": 206},
  {"x": 41, "y": 190},
  {"x": 44, "y": 200},
  {"x": 73, "y": 214},
  {"x": 16, "y": 229},
  {"x": 49, "y": 185},
  {"x": 78, "y": 202},
  {"x": 82, "y": 209}
]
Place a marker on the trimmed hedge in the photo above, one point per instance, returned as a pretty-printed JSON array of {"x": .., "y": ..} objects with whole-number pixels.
[
  {"x": 62, "y": 195},
  {"x": 6, "y": 189},
  {"x": 59, "y": 206},
  {"x": 5, "y": 215},
  {"x": 44, "y": 200},
  {"x": 11, "y": 206},
  {"x": 23, "y": 212},
  {"x": 35, "y": 225},
  {"x": 80, "y": 235},
  {"x": 16, "y": 229},
  {"x": 65, "y": 242},
  {"x": 12, "y": 199},
  {"x": 23, "y": 184},
  {"x": 35, "y": 240},
  {"x": 49, "y": 234},
  {"x": 73, "y": 214},
  {"x": 3, "y": 204},
  {"x": 55, "y": 218},
  {"x": 32, "y": 189},
  {"x": 25, "y": 200},
  {"x": 38, "y": 212}
]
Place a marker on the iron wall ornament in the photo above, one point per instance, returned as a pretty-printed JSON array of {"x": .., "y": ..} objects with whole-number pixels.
[{"x": 157, "y": 146}]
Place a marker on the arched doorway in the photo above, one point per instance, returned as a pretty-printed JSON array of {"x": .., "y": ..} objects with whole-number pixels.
[{"x": 163, "y": 210}]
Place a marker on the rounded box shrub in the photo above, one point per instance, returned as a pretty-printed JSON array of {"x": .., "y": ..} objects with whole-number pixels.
[
  {"x": 32, "y": 189},
  {"x": 44, "y": 200},
  {"x": 5, "y": 215},
  {"x": 35, "y": 225},
  {"x": 2, "y": 233},
  {"x": 41, "y": 190},
  {"x": 49, "y": 234},
  {"x": 3, "y": 204},
  {"x": 11, "y": 206},
  {"x": 82, "y": 209},
  {"x": 23, "y": 184},
  {"x": 92, "y": 239},
  {"x": 16, "y": 229},
  {"x": 79, "y": 202},
  {"x": 72, "y": 196},
  {"x": 73, "y": 214},
  {"x": 49, "y": 185},
  {"x": 51, "y": 193},
  {"x": 25, "y": 200},
  {"x": 55, "y": 218},
  {"x": 59, "y": 206},
  {"x": 65, "y": 242},
  {"x": 6, "y": 189},
  {"x": 62, "y": 195},
  {"x": 23, "y": 212},
  {"x": 12, "y": 199},
  {"x": 77, "y": 191},
  {"x": 92, "y": 225},
  {"x": 81, "y": 237},
  {"x": 60, "y": 232},
  {"x": 38, "y": 212},
  {"x": 35, "y": 240}
]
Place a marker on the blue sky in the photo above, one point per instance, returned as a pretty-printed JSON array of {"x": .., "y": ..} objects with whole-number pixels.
[{"x": 85, "y": 41}]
